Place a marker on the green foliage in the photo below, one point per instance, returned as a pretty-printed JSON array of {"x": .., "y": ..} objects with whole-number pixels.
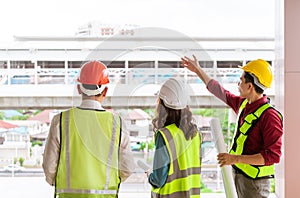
[
  {"x": 150, "y": 112},
  {"x": 24, "y": 115},
  {"x": 19, "y": 117},
  {"x": 21, "y": 161},
  {"x": 272, "y": 181},
  {"x": 142, "y": 146},
  {"x": 37, "y": 112},
  {"x": 39, "y": 143},
  {"x": 203, "y": 188},
  {"x": 151, "y": 146},
  {"x": 229, "y": 137},
  {"x": 202, "y": 112},
  {"x": 222, "y": 114}
]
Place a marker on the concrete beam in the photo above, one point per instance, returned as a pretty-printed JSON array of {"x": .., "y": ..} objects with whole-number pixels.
[
  {"x": 118, "y": 96},
  {"x": 114, "y": 102}
]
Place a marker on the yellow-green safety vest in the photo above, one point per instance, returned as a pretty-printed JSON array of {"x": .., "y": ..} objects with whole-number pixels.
[
  {"x": 183, "y": 178},
  {"x": 88, "y": 162},
  {"x": 251, "y": 171}
]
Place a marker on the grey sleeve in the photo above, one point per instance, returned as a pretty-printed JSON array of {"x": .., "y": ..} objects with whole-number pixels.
[
  {"x": 52, "y": 150},
  {"x": 126, "y": 160}
]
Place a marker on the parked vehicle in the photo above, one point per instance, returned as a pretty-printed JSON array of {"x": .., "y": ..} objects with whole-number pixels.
[{"x": 13, "y": 167}]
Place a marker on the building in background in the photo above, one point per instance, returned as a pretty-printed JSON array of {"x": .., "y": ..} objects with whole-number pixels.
[
  {"x": 98, "y": 29},
  {"x": 24, "y": 138},
  {"x": 137, "y": 123}
]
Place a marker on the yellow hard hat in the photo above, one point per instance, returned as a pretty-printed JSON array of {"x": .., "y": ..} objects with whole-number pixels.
[{"x": 262, "y": 70}]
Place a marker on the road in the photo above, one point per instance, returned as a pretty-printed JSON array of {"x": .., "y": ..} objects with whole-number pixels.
[
  {"x": 31, "y": 184},
  {"x": 32, "y": 172},
  {"x": 210, "y": 176},
  {"x": 36, "y": 187}
]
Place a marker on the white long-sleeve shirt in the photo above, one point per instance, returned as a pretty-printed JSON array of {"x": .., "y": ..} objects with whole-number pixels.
[{"x": 52, "y": 148}]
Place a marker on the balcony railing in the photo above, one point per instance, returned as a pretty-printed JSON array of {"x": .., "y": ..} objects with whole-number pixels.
[{"x": 117, "y": 75}]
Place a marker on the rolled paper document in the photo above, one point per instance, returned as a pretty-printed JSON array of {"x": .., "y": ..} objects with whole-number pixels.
[{"x": 228, "y": 181}]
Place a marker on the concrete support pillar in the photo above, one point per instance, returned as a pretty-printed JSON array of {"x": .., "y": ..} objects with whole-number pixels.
[
  {"x": 291, "y": 97},
  {"x": 278, "y": 65}
]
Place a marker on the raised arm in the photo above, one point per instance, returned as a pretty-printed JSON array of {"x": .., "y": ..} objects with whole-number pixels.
[{"x": 193, "y": 65}]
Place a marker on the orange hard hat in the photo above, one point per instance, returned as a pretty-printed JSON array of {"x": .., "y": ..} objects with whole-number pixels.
[{"x": 93, "y": 73}]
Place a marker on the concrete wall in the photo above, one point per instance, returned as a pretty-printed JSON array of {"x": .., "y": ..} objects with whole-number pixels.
[
  {"x": 291, "y": 97},
  {"x": 9, "y": 153}
]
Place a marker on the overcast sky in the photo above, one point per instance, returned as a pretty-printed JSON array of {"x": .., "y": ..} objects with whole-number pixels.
[{"x": 191, "y": 17}]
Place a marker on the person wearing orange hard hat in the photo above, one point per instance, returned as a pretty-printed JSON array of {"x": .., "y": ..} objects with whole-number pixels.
[
  {"x": 257, "y": 141},
  {"x": 87, "y": 154},
  {"x": 93, "y": 79}
]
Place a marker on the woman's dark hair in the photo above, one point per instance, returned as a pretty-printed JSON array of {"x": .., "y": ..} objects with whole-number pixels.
[
  {"x": 181, "y": 118},
  {"x": 249, "y": 78}
]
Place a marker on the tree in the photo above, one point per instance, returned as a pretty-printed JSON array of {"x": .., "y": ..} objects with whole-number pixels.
[
  {"x": 222, "y": 114},
  {"x": 19, "y": 117},
  {"x": 21, "y": 161}
]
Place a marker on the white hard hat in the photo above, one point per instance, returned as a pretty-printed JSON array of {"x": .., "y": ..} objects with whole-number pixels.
[{"x": 174, "y": 93}]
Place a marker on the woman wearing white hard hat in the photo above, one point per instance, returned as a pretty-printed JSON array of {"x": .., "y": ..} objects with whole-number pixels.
[{"x": 177, "y": 158}]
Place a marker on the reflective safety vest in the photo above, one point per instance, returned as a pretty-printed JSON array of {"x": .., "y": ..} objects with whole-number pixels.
[
  {"x": 88, "y": 163},
  {"x": 250, "y": 120},
  {"x": 183, "y": 178}
]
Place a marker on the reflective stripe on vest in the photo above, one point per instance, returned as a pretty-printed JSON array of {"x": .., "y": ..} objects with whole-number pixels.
[
  {"x": 184, "y": 173},
  {"x": 82, "y": 169},
  {"x": 84, "y": 191},
  {"x": 249, "y": 121}
]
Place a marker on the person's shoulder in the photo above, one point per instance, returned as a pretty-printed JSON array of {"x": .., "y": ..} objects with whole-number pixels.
[
  {"x": 273, "y": 114},
  {"x": 56, "y": 119},
  {"x": 166, "y": 131},
  {"x": 114, "y": 114},
  {"x": 66, "y": 110},
  {"x": 57, "y": 115}
]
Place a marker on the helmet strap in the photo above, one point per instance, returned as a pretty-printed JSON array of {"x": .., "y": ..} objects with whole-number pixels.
[
  {"x": 90, "y": 92},
  {"x": 256, "y": 82}
]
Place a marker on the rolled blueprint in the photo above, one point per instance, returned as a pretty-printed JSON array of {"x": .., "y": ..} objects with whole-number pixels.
[{"x": 228, "y": 181}]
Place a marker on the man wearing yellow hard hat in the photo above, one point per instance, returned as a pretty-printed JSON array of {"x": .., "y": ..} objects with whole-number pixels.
[{"x": 257, "y": 141}]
